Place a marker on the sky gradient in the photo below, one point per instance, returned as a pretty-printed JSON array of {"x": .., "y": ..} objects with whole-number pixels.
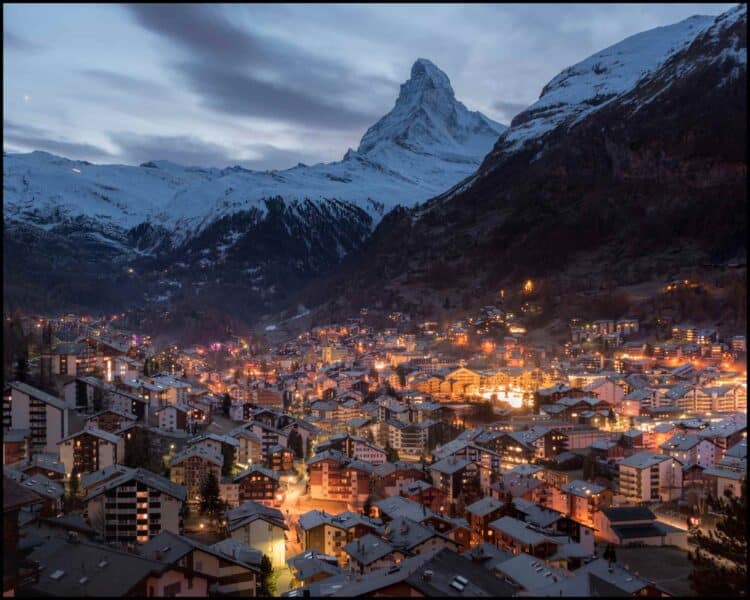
[{"x": 268, "y": 86}]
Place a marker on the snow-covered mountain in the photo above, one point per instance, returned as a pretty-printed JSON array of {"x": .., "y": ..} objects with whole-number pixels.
[
  {"x": 595, "y": 82},
  {"x": 264, "y": 232},
  {"x": 427, "y": 143},
  {"x": 602, "y": 192}
]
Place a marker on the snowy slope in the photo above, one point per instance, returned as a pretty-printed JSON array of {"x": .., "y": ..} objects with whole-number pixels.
[
  {"x": 593, "y": 83},
  {"x": 427, "y": 143}
]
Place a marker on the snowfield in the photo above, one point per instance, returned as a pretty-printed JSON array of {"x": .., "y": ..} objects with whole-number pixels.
[{"x": 426, "y": 144}]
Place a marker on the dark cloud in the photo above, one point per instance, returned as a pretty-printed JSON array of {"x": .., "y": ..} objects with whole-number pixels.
[
  {"x": 509, "y": 109},
  {"x": 239, "y": 72},
  {"x": 183, "y": 150},
  {"x": 12, "y": 41},
  {"x": 231, "y": 92},
  {"x": 199, "y": 28},
  {"x": 126, "y": 83},
  {"x": 273, "y": 157},
  {"x": 192, "y": 151},
  {"x": 24, "y": 137}
]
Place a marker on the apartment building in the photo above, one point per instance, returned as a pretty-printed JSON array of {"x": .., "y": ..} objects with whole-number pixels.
[
  {"x": 250, "y": 448},
  {"x": 650, "y": 477},
  {"x": 334, "y": 476},
  {"x": 90, "y": 450},
  {"x": 354, "y": 447},
  {"x": 133, "y": 505},
  {"x": 409, "y": 438},
  {"x": 329, "y": 533},
  {"x": 690, "y": 450},
  {"x": 191, "y": 467},
  {"x": 45, "y": 416}
]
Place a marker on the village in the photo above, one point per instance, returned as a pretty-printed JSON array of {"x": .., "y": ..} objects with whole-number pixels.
[{"x": 421, "y": 457}]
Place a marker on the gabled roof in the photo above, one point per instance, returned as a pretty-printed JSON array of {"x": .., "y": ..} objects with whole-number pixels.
[
  {"x": 367, "y": 549},
  {"x": 345, "y": 520},
  {"x": 239, "y": 552},
  {"x": 644, "y": 460},
  {"x": 445, "y": 567},
  {"x": 398, "y": 506},
  {"x": 739, "y": 450},
  {"x": 529, "y": 572},
  {"x": 256, "y": 469},
  {"x": 628, "y": 513},
  {"x": 16, "y": 495},
  {"x": 200, "y": 451},
  {"x": 449, "y": 465},
  {"x": 168, "y": 547},
  {"x": 126, "y": 474},
  {"x": 96, "y": 432},
  {"x": 247, "y": 512},
  {"x": 33, "y": 392},
  {"x": 518, "y": 530},
  {"x": 39, "y": 484},
  {"x": 681, "y": 442},
  {"x": 582, "y": 489},
  {"x": 83, "y": 568},
  {"x": 484, "y": 506}
]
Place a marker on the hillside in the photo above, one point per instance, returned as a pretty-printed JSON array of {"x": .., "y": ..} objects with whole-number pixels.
[{"x": 651, "y": 184}]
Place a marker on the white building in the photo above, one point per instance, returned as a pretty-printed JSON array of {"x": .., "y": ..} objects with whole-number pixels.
[
  {"x": 650, "y": 477},
  {"x": 44, "y": 415},
  {"x": 690, "y": 450},
  {"x": 260, "y": 527},
  {"x": 90, "y": 449}
]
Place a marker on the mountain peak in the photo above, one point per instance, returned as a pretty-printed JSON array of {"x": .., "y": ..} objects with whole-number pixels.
[
  {"x": 429, "y": 120},
  {"x": 425, "y": 75}
]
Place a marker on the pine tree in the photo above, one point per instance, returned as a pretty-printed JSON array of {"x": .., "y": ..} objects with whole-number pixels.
[
  {"x": 294, "y": 443},
  {"x": 227, "y": 452},
  {"x": 226, "y": 404},
  {"x": 21, "y": 371},
  {"x": 720, "y": 559},
  {"x": 391, "y": 454},
  {"x": 267, "y": 578},
  {"x": 210, "y": 503}
]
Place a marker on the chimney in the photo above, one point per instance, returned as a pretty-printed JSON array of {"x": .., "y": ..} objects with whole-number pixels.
[{"x": 427, "y": 575}]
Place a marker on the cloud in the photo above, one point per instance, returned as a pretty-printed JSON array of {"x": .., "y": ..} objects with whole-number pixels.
[
  {"x": 12, "y": 41},
  {"x": 231, "y": 92},
  {"x": 193, "y": 151},
  {"x": 126, "y": 83},
  {"x": 24, "y": 137},
  {"x": 181, "y": 149},
  {"x": 508, "y": 110},
  {"x": 272, "y": 157},
  {"x": 238, "y": 72}
]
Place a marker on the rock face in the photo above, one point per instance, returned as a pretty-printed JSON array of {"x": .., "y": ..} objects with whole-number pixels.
[
  {"x": 259, "y": 234},
  {"x": 652, "y": 181}
]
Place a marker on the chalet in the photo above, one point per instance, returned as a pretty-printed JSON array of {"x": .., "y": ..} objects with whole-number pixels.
[
  {"x": 334, "y": 476},
  {"x": 454, "y": 476},
  {"x": 90, "y": 450},
  {"x": 259, "y": 485},
  {"x": 480, "y": 514},
  {"x": 110, "y": 419},
  {"x": 261, "y": 528},
  {"x": 191, "y": 467},
  {"x": 329, "y": 534},
  {"x": 223, "y": 564}
]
